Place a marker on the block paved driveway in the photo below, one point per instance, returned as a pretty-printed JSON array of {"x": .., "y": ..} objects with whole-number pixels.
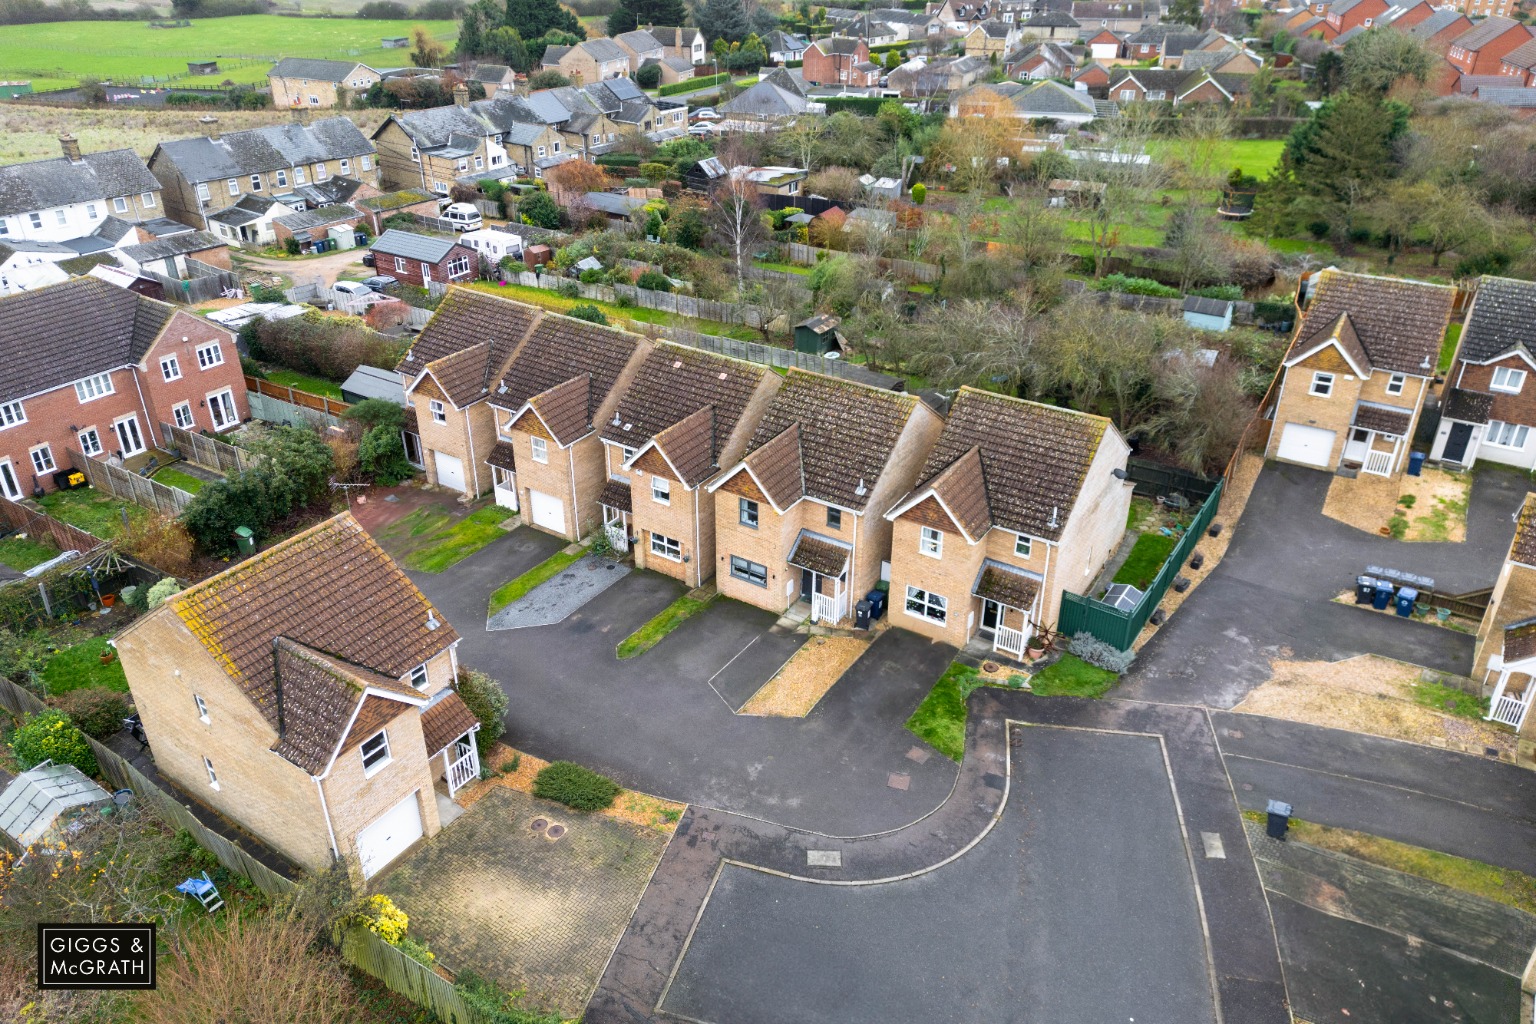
[{"x": 1270, "y": 598}]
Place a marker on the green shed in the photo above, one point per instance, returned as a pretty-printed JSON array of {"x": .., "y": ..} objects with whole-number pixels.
[
  {"x": 818, "y": 334},
  {"x": 11, "y": 90}
]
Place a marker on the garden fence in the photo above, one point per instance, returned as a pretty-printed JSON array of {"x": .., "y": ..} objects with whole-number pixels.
[
  {"x": 666, "y": 302},
  {"x": 421, "y": 985},
  {"x": 1085, "y": 615},
  {"x": 19, "y": 518},
  {"x": 293, "y": 396},
  {"x": 908, "y": 270},
  {"x": 1154, "y": 480},
  {"x": 769, "y": 355},
  {"x": 125, "y": 484},
  {"x": 207, "y": 452}
]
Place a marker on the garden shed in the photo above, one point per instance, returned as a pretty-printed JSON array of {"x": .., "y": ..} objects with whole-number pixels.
[
  {"x": 818, "y": 334},
  {"x": 1208, "y": 314},
  {"x": 46, "y": 799}
]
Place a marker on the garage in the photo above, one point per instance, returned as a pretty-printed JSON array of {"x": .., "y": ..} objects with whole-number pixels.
[
  {"x": 1310, "y": 446},
  {"x": 390, "y": 836},
  {"x": 450, "y": 471},
  {"x": 548, "y": 512}
]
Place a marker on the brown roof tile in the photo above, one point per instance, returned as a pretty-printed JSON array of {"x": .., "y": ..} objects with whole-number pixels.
[
  {"x": 1008, "y": 584},
  {"x": 827, "y": 557},
  {"x": 691, "y": 446},
  {"x": 847, "y": 432},
  {"x": 317, "y": 696},
  {"x": 1399, "y": 323},
  {"x": 1519, "y": 641},
  {"x": 566, "y": 408},
  {"x": 503, "y": 456},
  {"x": 1523, "y": 550},
  {"x": 1468, "y": 406},
  {"x": 465, "y": 376},
  {"x": 376, "y": 713},
  {"x": 330, "y": 588},
  {"x": 778, "y": 467},
  {"x": 963, "y": 488},
  {"x": 674, "y": 382},
  {"x": 466, "y": 318},
  {"x": 616, "y": 494},
  {"x": 445, "y": 721},
  {"x": 1034, "y": 457},
  {"x": 1382, "y": 418},
  {"x": 560, "y": 348}
]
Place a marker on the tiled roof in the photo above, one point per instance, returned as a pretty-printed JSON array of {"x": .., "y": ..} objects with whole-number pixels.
[
  {"x": 1522, "y": 56},
  {"x": 1523, "y": 550},
  {"x": 317, "y": 695},
  {"x": 566, "y": 408},
  {"x": 962, "y": 486},
  {"x": 847, "y": 433},
  {"x": 427, "y": 249},
  {"x": 1468, "y": 406},
  {"x": 603, "y": 50},
  {"x": 692, "y": 446},
  {"x": 271, "y": 148},
  {"x": 560, "y": 348},
  {"x": 616, "y": 494},
  {"x": 836, "y": 44},
  {"x": 466, "y": 318},
  {"x": 1503, "y": 317},
  {"x": 445, "y": 721},
  {"x": 1382, "y": 418},
  {"x": 1035, "y": 457},
  {"x": 639, "y": 40},
  {"x": 1515, "y": 97},
  {"x": 313, "y": 68},
  {"x": 46, "y": 184},
  {"x": 317, "y": 218},
  {"x": 330, "y": 588},
  {"x": 672, "y": 383},
  {"x": 1485, "y": 32},
  {"x": 818, "y": 554},
  {"x": 1400, "y": 323},
  {"x": 106, "y": 327},
  {"x": 173, "y": 245},
  {"x": 502, "y": 456},
  {"x": 1519, "y": 641},
  {"x": 466, "y": 376},
  {"x": 778, "y": 467},
  {"x": 1436, "y": 23},
  {"x": 1007, "y": 584}
]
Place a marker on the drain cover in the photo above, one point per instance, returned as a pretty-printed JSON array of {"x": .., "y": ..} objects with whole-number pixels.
[
  {"x": 539, "y": 824},
  {"x": 898, "y": 780},
  {"x": 554, "y": 832},
  {"x": 992, "y": 780},
  {"x": 990, "y": 666},
  {"x": 919, "y": 755}
]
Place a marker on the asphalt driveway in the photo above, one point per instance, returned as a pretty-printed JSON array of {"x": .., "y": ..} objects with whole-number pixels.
[{"x": 1271, "y": 596}]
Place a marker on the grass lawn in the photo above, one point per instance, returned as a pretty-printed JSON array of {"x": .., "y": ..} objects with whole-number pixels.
[
  {"x": 430, "y": 540},
  {"x": 1255, "y": 156},
  {"x": 22, "y": 553},
  {"x": 545, "y": 570},
  {"x": 1146, "y": 558},
  {"x": 304, "y": 382},
  {"x": 98, "y": 514},
  {"x": 1448, "y": 348},
  {"x": 668, "y": 619},
  {"x": 1071, "y": 676},
  {"x": 173, "y": 477},
  {"x": 561, "y": 304},
  {"x": 1451, "y": 701},
  {"x": 939, "y": 720},
  {"x": 78, "y": 667},
  {"x": 787, "y": 268}
]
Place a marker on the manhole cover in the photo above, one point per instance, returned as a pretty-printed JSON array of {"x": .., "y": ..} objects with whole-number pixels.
[
  {"x": 990, "y": 666},
  {"x": 554, "y": 832},
  {"x": 539, "y": 824},
  {"x": 1236, "y": 734},
  {"x": 898, "y": 780},
  {"x": 992, "y": 780},
  {"x": 919, "y": 755}
]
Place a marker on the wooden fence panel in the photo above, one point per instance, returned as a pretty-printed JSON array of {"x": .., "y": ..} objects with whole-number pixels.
[
  {"x": 421, "y": 985},
  {"x": 129, "y": 486},
  {"x": 64, "y": 536},
  {"x": 292, "y": 396},
  {"x": 208, "y": 452}
]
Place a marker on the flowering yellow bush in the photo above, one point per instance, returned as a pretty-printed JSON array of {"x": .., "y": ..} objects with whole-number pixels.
[{"x": 384, "y": 919}]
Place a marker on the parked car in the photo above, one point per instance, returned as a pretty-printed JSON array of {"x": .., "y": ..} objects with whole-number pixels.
[
  {"x": 703, "y": 130},
  {"x": 367, "y": 259},
  {"x": 379, "y": 282},
  {"x": 463, "y": 217},
  {"x": 353, "y": 288},
  {"x": 705, "y": 114}
]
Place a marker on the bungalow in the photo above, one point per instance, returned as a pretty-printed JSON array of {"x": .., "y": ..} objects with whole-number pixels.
[
  {"x": 422, "y": 260},
  {"x": 1489, "y": 414},
  {"x": 1048, "y": 100},
  {"x": 772, "y": 181},
  {"x": 1051, "y": 25}
]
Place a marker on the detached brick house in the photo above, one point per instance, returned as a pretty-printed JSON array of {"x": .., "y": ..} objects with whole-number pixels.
[
  {"x": 1481, "y": 49},
  {"x": 1505, "y": 657},
  {"x": 1489, "y": 412},
  {"x": 832, "y": 61},
  {"x": 685, "y": 415},
  {"x": 318, "y": 724},
  {"x": 801, "y": 516},
  {"x": 1344, "y": 15},
  {"x": 1357, "y": 372},
  {"x": 1018, "y": 501},
  {"x": 422, "y": 259},
  {"x": 130, "y": 364}
]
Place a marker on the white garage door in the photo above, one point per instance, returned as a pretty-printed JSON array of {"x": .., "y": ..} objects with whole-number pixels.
[
  {"x": 450, "y": 471},
  {"x": 389, "y": 836},
  {"x": 548, "y": 512},
  {"x": 1310, "y": 446}
]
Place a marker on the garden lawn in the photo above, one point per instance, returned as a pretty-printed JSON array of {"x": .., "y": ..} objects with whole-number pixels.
[
  {"x": 1071, "y": 676},
  {"x": 98, "y": 514},
  {"x": 79, "y": 667},
  {"x": 441, "y": 541},
  {"x": 1147, "y": 556},
  {"x": 173, "y": 477},
  {"x": 22, "y": 553},
  {"x": 1448, "y": 348},
  {"x": 304, "y": 382},
  {"x": 617, "y": 315},
  {"x": 939, "y": 720},
  {"x": 1256, "y": 157},
  {"x": 654, "y": 631},
  {"x": 519, "y": 586}
]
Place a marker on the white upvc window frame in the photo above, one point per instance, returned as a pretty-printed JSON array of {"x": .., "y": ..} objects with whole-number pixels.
[
  {"x": 213, "y": 776},
  {"x": 1513, "y": 380},
  {"x": 202, "y": 708},
  {"x": 661, "y": 490},
  {"x": 418, "y": 677},
  {"x": 1322, "y": 385},
  {"x": 182, "y": 415},
  {"x": 221, "y": 404},
  {"x": 91, "y": 446},
  {"x": 98, "y": 385},
  {"x": 170, "y": 368},
  {"x": 930, "y": 542},
  {"x": 538, "y": 448},
  {"x": 928, "y": 602},
  {"x": 438, "y": 410},
  {"x": 371, "y": 748},
  {"x": 1023, "y": 545},
  {"x": 209, "y": 355},
  {"x": 1514, "y": 435},
  {"x": 1396, "y": 383},
  {"x": 12, "y": 414},
  {"x": 41, "y": 457},
  {"x": 662, "y": 547}
]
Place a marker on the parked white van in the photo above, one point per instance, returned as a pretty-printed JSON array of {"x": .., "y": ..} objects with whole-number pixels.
[{"x": 463, "y": 217}]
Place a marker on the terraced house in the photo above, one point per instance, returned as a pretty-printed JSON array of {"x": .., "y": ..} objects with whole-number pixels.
[
  {"x": 320, "y": 725},
  {"x": 801, "y": 517},
  {"x": 131, "y": 363},
  {"x": 1017, "y": 502},
  {"x": 202, "y": 176},
  {"x": 71, "y": 196},
  {"x": 1356, "y": 374},
  {"x": 465, "y": 143},
  {"x": 1489, "y": 412}
]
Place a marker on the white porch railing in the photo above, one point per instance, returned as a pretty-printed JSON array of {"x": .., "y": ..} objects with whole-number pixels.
[
  {"x": 1509, "y": 709},
  {"x": 618, "y": 537},
  {"x": 1008, "y": 641},
  {"x": 465, "y": 770},
  {"x": 1379, "y": 463},
  {"x": 826, "y": 608}
]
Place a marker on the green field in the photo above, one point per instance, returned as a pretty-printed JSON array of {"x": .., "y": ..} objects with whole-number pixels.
[
  {"x": 1255, "y": 156},
  {"x": 57, "y": 55}
]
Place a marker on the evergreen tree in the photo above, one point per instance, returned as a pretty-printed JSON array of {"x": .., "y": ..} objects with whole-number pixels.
[
  {"x": 721, "y": 19},
  {"x": 536, "y": 18},
  {"x": 1187, "y": 11},
  {"x": 506, "y": 44},
  {"x": 622, "y": 20}
]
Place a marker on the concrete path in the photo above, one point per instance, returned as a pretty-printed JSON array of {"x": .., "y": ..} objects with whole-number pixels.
[{"x": 555, "y": 599}]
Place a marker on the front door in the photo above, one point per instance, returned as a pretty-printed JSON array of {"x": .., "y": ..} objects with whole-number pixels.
[
  {"x": 128, "y": 436},
  {"x": 1456, "y": 445},
  {"x": 807, "y": 584},
  {"x": 991, "y": 612},
  {"x": 8, "y": 483},
  {"x": 1359, "y": 444}
]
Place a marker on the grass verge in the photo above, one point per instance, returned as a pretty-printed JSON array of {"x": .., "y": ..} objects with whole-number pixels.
[
  {"x": 617, "y": 315},
  {"x": 664, "y": 622},
  {"x": 22, "y": 553},
  {"x": 98, "y": 514},
  {"x": 1451, "y": 701},
  {"x": 1147, "y": 556},
  {"x": 519, "y": 586},
  {"x": 1448, "y": 348},
  {"x": 79, "y": 667},
  {"x": 304, "y": 382},
  {"x": 1071, "y": 676},
  {"x": 939, "y": 720},
  {"x": 173, "y": 477},
  {"x": 448, "y": 542}
]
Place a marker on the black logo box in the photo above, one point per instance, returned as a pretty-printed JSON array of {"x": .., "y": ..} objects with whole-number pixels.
[{"x": 98, "y": 956}]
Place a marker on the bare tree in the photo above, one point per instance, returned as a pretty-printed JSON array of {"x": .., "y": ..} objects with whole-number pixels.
[
  {"x": 1119, "y": 161},
  {"x": 736, "y": 219}
]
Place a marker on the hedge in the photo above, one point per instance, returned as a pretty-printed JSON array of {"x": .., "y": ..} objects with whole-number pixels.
[
  {"x": 695, "y": 82},
  {"x": 618, "y": 160},
  {"x": 868, "y": 106}
]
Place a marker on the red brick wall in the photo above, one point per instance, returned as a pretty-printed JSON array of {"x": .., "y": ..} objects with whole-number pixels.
[
  {"x": 195, "y": 384},
  {"x": 1507, "y": 408},
  {"x": 823, "y": 69},
  {"x": 1487, "y": 60},
  {"x": 384, "y": 263}
]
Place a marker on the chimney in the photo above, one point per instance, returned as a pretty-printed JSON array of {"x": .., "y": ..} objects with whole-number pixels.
[
  {"x": 211, "y": 126},
  {"x": 71, "y": 147},
  {"x": 461, "y": 95}
]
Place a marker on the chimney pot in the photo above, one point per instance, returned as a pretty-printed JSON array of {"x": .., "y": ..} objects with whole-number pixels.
[
  {"x": 71, "y": 147},
  {"x": 461, "y": 95}
]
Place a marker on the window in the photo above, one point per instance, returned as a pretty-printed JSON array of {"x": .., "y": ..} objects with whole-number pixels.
[
  {"x": 1506, "y": 435},
  {"x": 750, "y": 572},
  {"x": 147, "y": 200},
  {"x": 90, "y": 441},
  {"x": 1395, "y": 384},
  {"x": 539, "y": 448},
  {"x": 93, "y": 387},
  {"x": 90, "y": 211},
  {"x": 400, "y": 264},
  {"x": 62, "y": 216},
  {"x": 596, "y": 140},
  {"x": 11, "y": 413},
  {"x": 170, "y": 368},
  {"x": 748, "y": 512},
  {"x": 365, "y": 162},
  {"x": 666, "y": 547},
  {"x": 213, "y": 779},
  {"x": 320, "y": 171},
  {"x": 834, "y": 519},
  {"x": 282, "y": 179},
  {"x": 1023, "y": 546},
  {"x": 1322, "y": 385},
  {"x": 203, "y": 195},
  {"x": 554, "y": 147},
  {"x": 926, "y": 606},
  {"x": 1505, "y": 379},
  {"x": 661, "y": 490},
  {"x": 210, "y": 355},
  {"x": 541, "y": 151},
  {"x": 463, "y": 164},
  {"x": 37, "y": 219},
  {"x": 346, "y": 166},
  {"x": 202, "y": 707},
  {"x": 42, "y": 459},
  {"x": 415, "y": 155},
  {"x": 419, "y": 676},
  {"x": 255, "y": 183},
  {"x": 181, "y": 412},
  {"x": 931, "y": 543},
  {"x": 375, "y": 752},
  {"x": 479, "y": 163},
  {"x": 439, "y": 411},
  {"x": 234, "y": 186},
  {"x": 314, "y": 100},
  {"x": 458, "y": 267},
  {"x": 221, "y": 406}
]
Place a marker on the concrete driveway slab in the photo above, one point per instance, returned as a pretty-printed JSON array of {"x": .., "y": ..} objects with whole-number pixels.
[{"x": 554, "y": 599}]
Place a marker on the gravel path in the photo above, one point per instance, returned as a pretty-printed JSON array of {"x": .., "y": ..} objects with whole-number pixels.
[{"x": 550, "y": 602}]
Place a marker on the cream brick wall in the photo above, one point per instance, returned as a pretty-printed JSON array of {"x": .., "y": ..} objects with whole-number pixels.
[
  {"x": 1095, "y": 529},
  {"x": 676, "y": 520},
  {"x": 356, "y": 800},
  {"x": 950, "y": 576},
  {"x": 1514, "y": 599},
  {"x": 552, "y": 478},
  {"x": 900, "y": 476},
  {"x": 768, "y": 545},
  {"x": 1332, "y": 413}
]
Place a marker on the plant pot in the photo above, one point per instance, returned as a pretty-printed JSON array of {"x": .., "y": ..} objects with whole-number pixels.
[
  {"x": 107, "y": 657},
  {"x": 108, "y": 600}
]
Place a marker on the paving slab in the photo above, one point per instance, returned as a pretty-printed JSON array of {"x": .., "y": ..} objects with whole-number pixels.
[{"x": 557, "y": 598}]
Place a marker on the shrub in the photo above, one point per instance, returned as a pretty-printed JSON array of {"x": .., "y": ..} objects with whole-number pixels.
[
  {"x": 380, "y": 916},
  {"x": 648, "y": 76},
  {"x": 322, "y": 346},
  {"x": 488, "y": 701},
  {"x": 417, "y": 951},
  {"x": 580, "y": 788},
  {"x": 1228, "y": 292},
  {"x": 1137, "y": 286},
  {"x": 495, "y": 1005},
  {"x": 162, "y": 590},
  {"x": 919, "y": 193},
  {"x": 568, "y": 289},
  {"x": 587, "y": 311},
  {"x": 381, "y": 456},
  {"x": 265, "y": 293},
  {"x": 653, "y": 281},
  {"x": 539, "y": 209},
  {"x": 696, "y": 82},
  {"x": 1100, "y": 654},
  {"x": 591, "y": 276},
  {"x": 97, "y": 711},
  {"x": 291, "y": 246},
  {"x": 50, "y": 735},
  {"x": 162, "y": 542}
]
